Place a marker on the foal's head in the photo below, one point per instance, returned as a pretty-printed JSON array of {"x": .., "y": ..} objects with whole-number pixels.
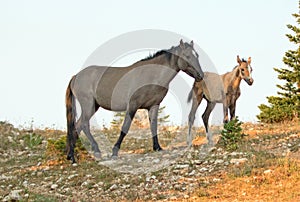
[
  {"x": 188, "y": 60},
  {"x": 245, "y": 70}
]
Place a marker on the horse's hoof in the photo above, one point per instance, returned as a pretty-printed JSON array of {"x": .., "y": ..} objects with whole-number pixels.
[
  {"x": 97, "y": 156},
  {"x": 114, "y": 157},
  {"x": 115, "y": 151},
  {"x": 158, "y": 149}
]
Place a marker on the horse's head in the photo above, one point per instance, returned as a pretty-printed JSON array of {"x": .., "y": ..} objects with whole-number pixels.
[
  {"x": 245, "y": 70},
  {"x": 188, "y": 60}
]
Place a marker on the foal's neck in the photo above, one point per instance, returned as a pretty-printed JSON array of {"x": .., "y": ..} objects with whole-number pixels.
[{"x": 235, "y": 79}]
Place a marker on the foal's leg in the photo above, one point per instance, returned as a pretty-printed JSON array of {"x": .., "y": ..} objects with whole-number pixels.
[
  {"x": 225, "y": 112},
  {"x": 195, "y": 104},
  {"x": 153, "y": 113},
  {"x": 205, "y": 117},
  {"x": 83, "y": 124},
  {"x": 232, "y": 110},
  {"x": 126, "y": 125}
]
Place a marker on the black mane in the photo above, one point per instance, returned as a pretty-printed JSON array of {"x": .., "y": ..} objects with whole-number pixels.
[
  {"x": 167, "y": 52},
  {"x": 158, "y": 53}
]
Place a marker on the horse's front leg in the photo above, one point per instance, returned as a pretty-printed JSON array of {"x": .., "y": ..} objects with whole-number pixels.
[
  {"x": 153, "y": 113},
  {"x": 125, "y": 128}
]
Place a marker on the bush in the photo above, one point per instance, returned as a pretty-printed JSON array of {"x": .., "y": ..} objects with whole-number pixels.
[
  {"x": 280, "y": 110},
  {"x": 231, "y": 135}
]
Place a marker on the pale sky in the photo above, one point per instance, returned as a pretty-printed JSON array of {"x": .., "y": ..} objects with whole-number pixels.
[{"x": 44, "y": 43}]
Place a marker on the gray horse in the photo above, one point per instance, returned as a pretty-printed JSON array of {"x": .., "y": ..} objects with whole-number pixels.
[
  {"x": 216, "y": 88},
  {"x": 142, "y": 85}
]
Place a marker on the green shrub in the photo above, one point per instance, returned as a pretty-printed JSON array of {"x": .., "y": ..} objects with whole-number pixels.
[
  {"x": 32, "y": 140},
  {"x": 280, "y": 110},
  {"x": 231, "y": 135}
]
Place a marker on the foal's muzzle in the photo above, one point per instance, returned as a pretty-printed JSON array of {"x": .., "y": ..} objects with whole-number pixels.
[{"x": 249, "y": 81}]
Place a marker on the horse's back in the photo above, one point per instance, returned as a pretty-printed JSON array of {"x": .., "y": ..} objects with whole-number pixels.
[
  {"x": 86, "y": 80},
  {"x": 211, "y": 86}
]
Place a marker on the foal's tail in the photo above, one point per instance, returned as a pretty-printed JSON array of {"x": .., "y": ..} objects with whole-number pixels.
[
  {"x": 190, "y": 96},
  {"x": 72, "y": 134}
]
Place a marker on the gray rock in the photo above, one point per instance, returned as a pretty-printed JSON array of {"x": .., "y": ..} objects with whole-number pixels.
[
  {"x": 113, "y": 187},
  {"x": 54, "y": 186},
  {"x": 219, "y": 161},
  {"x": 15, "y": 195}
]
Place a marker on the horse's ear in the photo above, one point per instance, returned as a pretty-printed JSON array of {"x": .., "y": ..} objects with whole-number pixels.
[
  {"x": 238, "y": 59},
  {"x": 181, "y": 44},
  {"x": 192, "y": 43},
  {"x": 249, "y": 60}
]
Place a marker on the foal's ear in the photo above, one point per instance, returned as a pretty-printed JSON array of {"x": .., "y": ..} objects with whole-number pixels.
[
  {"x": 238, "y": 59},
  {"x": 181, "y": 44},
  {"x": 249, "y": 60},
  {"x": 192, "y": 43}
]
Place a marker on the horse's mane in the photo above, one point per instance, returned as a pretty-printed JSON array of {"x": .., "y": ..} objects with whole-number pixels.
[
  {"x": 158, "y": 53},
  {"x": 168, "y": 52}
]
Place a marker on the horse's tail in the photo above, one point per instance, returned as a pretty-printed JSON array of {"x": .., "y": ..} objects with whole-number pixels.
[
  {"x": 71, "y": 116},
  {"x": 190, "y": 96}
]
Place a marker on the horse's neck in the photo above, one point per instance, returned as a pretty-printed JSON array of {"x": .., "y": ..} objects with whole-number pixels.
[
  {"x": 167, "y": 67},
  {"x": 234, "y": 79}
]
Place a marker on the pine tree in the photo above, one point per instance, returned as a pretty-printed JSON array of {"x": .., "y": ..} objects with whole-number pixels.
[
  {"x": 119, "y": 118},
  {"x": 286, "y": 106}
]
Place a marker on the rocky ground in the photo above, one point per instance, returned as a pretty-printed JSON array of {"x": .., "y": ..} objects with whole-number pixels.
[{"x": 265, "y": 167}]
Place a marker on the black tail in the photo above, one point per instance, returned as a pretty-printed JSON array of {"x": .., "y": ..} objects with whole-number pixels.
[
  {"x": 72, "y": 134},
  {"x": 190, "y": 96}
]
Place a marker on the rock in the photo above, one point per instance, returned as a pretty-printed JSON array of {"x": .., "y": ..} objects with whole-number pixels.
[
  {"x": 219, "y": 161},
  {"x": 234, "y": 154},
  {"x": 39, "y": 174},
  {"x": 181, "y": 166},
  {"x": 113, "y": 187},
  {"x": 268, "y": 171},
  {"x": 192, "y": 173},
  {"x": 204, "y": 169},
  {"x": 10, "y": 139},
  {"x": 25, "y": 183},
  {"x": 156, "y": 161},
  {"x": 15, "y": 195},
  {"x": 7, "y": 198},
  {"x": 54, "y": 186},
  {"x": 238, "y": 161},
  {"x": 186, "y": 196},
  {"x": 84, "y": 184},
  {"x": 72, "y": 176},
  {"x": 153, "y": 177},
  {"x": 197, "y": 162}
]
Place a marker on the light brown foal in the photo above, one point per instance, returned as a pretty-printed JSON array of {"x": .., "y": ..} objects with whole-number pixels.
[{"x": 216, "y": 88}]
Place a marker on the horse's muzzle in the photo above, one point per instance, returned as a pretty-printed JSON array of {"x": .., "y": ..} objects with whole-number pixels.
[
  {"x": 199, "y": 77},
  {"x": 249, "y": 81}
]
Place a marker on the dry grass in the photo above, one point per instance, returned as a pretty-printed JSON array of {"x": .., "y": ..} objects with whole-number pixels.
[{"x": 275, "y": 183}]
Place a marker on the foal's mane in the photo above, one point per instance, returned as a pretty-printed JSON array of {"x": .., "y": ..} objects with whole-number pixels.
[{"x": 243, "y": 60}]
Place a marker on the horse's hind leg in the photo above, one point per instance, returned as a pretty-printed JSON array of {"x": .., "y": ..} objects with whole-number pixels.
[
  {"x": 196, "y": 102},
  {"x": 125, "y": 128},
  {"x": 205, "y": 117},
  {"x": 153, "y": 113},
  {"x": 83, "y": 124}
]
